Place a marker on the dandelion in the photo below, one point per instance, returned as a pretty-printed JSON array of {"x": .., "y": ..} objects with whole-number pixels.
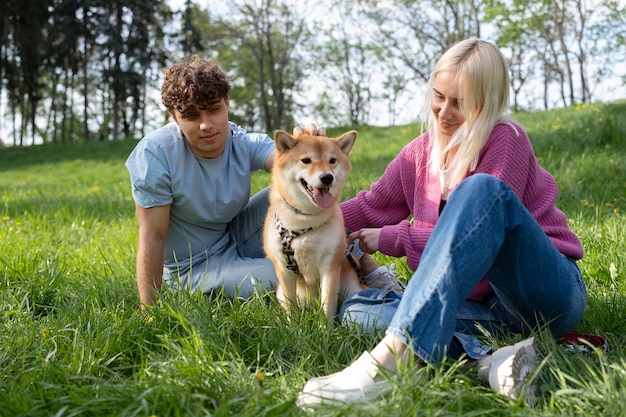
[
  {"x": 148, "y": 319},
  {"x": 586, "y": 203},
  {"x": 555, "y": 127},
  {"x": 5, "y": 218},
  {"x": 260, "y": 378}
]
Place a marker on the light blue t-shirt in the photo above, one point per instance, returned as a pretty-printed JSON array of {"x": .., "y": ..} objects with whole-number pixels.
[{"x": 205, "y": 194}]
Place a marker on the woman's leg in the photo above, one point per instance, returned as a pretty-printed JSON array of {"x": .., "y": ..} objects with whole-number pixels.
[{"x": 485, "y": 231}]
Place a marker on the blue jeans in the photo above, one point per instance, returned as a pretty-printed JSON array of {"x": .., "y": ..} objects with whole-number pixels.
[
  {"x": 484, "y": 231},
  {"x": 239, "y": 267}
]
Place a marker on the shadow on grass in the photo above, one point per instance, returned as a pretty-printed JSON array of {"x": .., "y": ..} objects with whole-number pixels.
[
  {"x": 74, "y": 208},
  {"x": 29, "y": 156}
]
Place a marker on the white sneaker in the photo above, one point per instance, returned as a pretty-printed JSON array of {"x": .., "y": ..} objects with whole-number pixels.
[
  {"x": 384, "y": 279},
  {"x": 353, "y": 384},
  {"x": 510, "y": 371}
]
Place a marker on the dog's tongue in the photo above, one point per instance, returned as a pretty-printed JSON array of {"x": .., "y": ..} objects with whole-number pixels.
[{"x": 322, "y": 197}]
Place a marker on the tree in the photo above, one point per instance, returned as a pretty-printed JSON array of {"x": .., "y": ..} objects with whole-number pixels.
[
  {"x": 81, "y": 69},
  {"x": 609, "y": 42},
  {"x": 417, "y": 32},
  {"x": 62, "y": 64},
  {"x": 513, "y": 35},
  {"x": 259, "y": 45},
  {"x": 344, "y": 58},
  {"x": 191, "y": 36},
  {"x": 128, "y": 52},
  {"x": 26, "y": 24},
  {"x": 564, "y": 30}
]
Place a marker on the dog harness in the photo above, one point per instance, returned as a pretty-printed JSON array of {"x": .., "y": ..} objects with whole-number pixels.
[
  {"x": 353, "y": 252},
  {"x": 286, "y": 237}
]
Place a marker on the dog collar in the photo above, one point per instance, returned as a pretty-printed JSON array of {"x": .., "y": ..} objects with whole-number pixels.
[{"x": 292, "y": 208}]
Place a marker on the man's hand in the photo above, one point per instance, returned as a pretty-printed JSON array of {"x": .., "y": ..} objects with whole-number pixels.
[{"x": 310, "y": 129}]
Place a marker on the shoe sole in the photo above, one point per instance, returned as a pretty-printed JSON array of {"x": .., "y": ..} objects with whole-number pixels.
[{"x": 523, "y": 368}]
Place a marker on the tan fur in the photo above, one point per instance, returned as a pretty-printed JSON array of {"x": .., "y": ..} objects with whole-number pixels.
[{"x": 319, "y": 253}]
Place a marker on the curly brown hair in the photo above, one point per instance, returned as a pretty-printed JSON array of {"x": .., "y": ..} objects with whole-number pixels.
[{"x": 192, "y": 84}]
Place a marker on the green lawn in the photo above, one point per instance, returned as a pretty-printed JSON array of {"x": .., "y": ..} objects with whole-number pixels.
[{"x": 73, "y": 341}]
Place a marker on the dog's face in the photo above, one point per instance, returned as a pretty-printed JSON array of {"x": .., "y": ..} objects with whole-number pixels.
[{"x": 312, "y": 169}]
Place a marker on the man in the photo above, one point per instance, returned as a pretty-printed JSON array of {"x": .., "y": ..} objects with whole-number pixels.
[{"x": 198, "y": 227}]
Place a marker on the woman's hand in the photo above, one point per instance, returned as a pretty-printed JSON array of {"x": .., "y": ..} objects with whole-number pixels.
[{"x": 368, "y": 239}]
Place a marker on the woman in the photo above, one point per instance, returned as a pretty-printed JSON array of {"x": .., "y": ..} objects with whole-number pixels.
[{"x": 486, "y": 242}]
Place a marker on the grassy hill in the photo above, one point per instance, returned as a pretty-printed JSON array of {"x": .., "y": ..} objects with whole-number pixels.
[{"x": 73, "y": 341}]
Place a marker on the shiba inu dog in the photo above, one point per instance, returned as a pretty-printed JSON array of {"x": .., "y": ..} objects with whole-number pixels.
[{"x": 304, "y": 231}]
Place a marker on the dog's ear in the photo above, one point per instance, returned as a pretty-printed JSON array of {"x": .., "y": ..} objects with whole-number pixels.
[
  {"x": 283, "y": 140},
  {"x": 346, "y": 141}
]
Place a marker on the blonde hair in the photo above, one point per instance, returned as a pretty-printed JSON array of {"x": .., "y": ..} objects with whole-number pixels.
[{"x": 483, "y": 85}]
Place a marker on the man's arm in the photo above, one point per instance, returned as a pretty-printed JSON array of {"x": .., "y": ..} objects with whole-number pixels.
[
  {"x": 153, "y": 225},
  {"x": 269, "y": 161}
]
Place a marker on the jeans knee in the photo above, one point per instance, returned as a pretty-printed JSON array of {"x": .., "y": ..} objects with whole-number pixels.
[
  {"x": 480, "y": 189},
  {"x": 482, "y": 182}
]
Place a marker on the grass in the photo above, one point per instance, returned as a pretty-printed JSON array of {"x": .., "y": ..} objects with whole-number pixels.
[{"x": 73, "y": 342}]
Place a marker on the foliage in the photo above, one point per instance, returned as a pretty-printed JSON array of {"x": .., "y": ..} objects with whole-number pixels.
[
  {"x": 75, "y": 70},
  {"x": 79, "y": 63},
  {"x": 573, "y": 34},
  {"x": 73, "y": 341},
  {"x": 265, "y": 40}
]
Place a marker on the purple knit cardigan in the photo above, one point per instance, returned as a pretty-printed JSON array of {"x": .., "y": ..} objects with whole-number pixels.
[{"x": 409, "y": 189}]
